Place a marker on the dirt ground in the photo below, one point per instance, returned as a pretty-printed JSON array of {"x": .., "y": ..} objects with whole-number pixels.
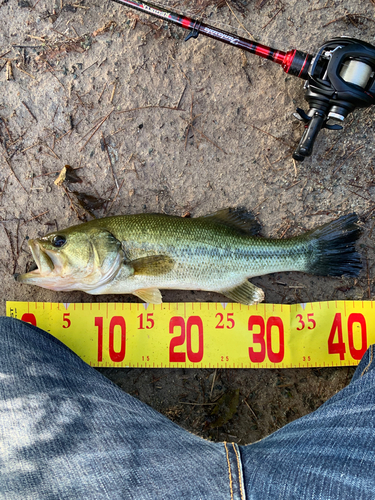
[{"x": 91, "y": 84}]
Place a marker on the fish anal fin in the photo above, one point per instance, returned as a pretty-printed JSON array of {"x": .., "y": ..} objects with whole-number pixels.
[
  {"x": 153, "y": 265},
  {"x": 236, "y": 218},
  {"x": 245, "y": 293},
  {"x": 150, "y": 295}
]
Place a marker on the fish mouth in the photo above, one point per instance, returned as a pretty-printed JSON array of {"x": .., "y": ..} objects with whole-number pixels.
[{"x": 45, "y": 266}]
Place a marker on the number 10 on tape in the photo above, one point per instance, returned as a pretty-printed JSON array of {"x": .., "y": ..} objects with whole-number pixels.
[{"x": 208, "y": 334}]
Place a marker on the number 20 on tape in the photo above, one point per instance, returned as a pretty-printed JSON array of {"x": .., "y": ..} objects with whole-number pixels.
[{"x": 208, "y": 334}]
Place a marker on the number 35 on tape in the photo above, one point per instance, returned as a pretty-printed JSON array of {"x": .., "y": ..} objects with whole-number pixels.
[{"x": 208, "y": 334}]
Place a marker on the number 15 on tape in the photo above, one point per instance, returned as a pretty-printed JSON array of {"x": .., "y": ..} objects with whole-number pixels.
[{"x": 208, "y": 334}]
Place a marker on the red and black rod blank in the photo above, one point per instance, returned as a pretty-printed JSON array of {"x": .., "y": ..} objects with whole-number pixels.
[{"x": 293, "y": 62}]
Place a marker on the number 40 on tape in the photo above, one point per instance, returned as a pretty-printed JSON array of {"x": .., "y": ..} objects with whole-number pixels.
[{"x": 208, "y": 335}]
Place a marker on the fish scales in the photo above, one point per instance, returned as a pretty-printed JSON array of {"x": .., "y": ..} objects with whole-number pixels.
[{"x": 204, "y": 252}]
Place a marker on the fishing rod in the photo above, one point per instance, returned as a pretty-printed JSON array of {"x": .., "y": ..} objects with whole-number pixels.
[{"x": 339, "y": 78}]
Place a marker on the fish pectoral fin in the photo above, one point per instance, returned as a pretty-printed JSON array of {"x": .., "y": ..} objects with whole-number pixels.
[
  {"x": 150, "y": 295},
  {"x": 246, "y": 293},
  {"x": 236, "y": 218},
  {"x": 154, "y": 265}
]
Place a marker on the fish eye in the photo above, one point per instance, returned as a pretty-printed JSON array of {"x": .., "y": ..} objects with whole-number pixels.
[{"x": 58, "y": 240}]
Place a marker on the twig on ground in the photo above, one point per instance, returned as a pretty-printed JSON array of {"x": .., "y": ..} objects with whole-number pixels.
[
  {"x": 11, "y": 169},
  {"x": 347, "y": 158},
  {"x": 252, "y": 411},
  {"x": 26, "y": 73},
  {"x": 105, "y": 145},
  {"x": 33, "y": 218},
  {"x": 72, "y": 205},
  {"x": 213, "y": 382},
  {"x": 52, "y": 151},
  {"x": 146, "y": 107},
  {"x": 30, "y": 147},
  {"x": 91, "y": 65},
  {"x": 182, "y": 95},
  {"x": 51, "y": 70},
  {"x": 273, "y": 17},
  {"x": 9, "y": 70},
  {"x": 239, "y": 22},
  {"x": 115, "y": 198},
  {"x": 28, "y": 109},
  {"x": 351, "y": 17},
  {"x": 273, "y": 136},
  {"x": 11, "y": 249},
  {"x": 97, "y": 127},
  {"x": 191, "y": 126},
  {"x": 4, "y": 186},
  {"x": 102, "y": 92},
  {"x": 113, "y": 91}
]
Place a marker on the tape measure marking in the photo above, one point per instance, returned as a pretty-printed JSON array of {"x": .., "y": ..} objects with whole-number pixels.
[{"x": 208, "y": 335}]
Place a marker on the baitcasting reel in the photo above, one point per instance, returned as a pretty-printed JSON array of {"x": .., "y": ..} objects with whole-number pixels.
[{"x": 341, "y": 78}]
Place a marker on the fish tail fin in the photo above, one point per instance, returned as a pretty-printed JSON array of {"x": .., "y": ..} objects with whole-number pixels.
[{"x": 332, "y": 248}]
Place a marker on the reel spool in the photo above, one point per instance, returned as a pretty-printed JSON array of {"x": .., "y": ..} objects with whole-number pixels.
[{"x": 340, "y": 79}]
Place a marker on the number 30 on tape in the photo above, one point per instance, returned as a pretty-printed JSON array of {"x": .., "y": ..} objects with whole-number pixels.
[{"x": 208, "y": 334}]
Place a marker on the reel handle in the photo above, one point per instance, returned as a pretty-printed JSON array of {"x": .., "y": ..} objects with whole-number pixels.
[{"x": 312, "y": 129}]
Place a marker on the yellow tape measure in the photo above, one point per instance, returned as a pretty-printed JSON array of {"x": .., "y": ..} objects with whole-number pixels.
[{"x": 208, "y": 335}]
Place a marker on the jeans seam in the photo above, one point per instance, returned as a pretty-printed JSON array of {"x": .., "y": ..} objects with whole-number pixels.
[
  {"x": 370, "y": 360},
  {"x": 229, "y": 472},
  {"x": 239, "y": 472}
]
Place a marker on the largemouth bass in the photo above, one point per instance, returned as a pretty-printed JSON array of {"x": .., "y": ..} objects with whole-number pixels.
[{"x": 141, "y": 254}]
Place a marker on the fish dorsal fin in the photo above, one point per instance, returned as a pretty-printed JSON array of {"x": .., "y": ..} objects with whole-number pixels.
[
  {"x": 153, "y": 265},
  {"x": 246, "y": 293},
  {"x": 237, "y": 218},
  {"x": 150, "y": 295}
]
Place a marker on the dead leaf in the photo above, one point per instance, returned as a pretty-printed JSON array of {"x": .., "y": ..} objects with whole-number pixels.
[{"x": 67, "y": 174}]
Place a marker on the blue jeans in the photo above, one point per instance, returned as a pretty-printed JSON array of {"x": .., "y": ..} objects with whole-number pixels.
[{"x": 66, "y": 432}]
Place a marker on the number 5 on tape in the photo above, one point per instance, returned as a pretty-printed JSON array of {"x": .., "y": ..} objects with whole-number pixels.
[{"x": 208, "y": 334}]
